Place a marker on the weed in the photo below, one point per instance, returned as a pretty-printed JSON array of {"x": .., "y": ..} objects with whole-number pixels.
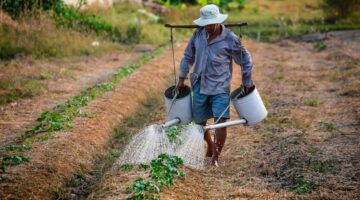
[
  {"x": 319, "y": 46},
  {"x": 303, "y": 187},
  {"x": 143, "y": 166},
  {"x": 311, "y": 102},
  {"x": 327, "y": 126},
  {"x": 127, "y": 166},
  {"x": 15, "y": 148},
  {"x": 11, "y": 160},
  {"x": 8, "y": 50}
]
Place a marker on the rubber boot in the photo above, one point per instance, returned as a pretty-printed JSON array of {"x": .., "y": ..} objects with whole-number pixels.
[{"x": 220, "y": 137}]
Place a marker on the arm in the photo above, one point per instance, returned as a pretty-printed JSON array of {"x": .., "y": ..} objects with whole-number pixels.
[
  {"x": 243, "y": 58},
  {"x": 186, "y": 62},
  {"x": 189, "y": 58}
]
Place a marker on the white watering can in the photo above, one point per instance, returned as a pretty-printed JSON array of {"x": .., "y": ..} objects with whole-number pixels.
[{"x": 250, "y": 108}]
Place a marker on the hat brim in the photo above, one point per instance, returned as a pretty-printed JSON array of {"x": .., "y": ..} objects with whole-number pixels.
[{"x": 219, "y": 19}]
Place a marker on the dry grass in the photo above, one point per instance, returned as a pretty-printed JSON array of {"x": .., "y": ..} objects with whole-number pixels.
[{"x": 73, "y": 151}]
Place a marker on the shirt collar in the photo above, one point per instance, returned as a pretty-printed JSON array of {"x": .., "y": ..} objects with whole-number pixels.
[{"x": 225, "y": 31}]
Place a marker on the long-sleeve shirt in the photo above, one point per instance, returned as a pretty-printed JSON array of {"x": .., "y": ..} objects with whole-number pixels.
[{"x": 213, "y": 61}]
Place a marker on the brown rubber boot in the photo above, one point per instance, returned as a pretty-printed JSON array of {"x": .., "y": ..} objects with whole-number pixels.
[
  {"x": 210, "y": 144},
  {"x": 220, "y": 137}
]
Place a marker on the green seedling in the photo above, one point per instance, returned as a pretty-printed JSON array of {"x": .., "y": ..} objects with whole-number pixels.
[
  {"x": 127, "y": 166},
  {"x": 173, "y": 132},
  {"x": 15, "y": 148},
  {"x": 6, "y": 160},
  {"x": 311, "y": 102},
  {"x": 163, "y": 170},
  {"x": 320, "y": 46},
  {"x": 327, "y": 126},
  {"x": 60, "y": 116},
  {"x": 304, "y": 187}
]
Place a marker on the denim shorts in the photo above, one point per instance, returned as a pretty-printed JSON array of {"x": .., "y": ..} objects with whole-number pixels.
[{"x": 209, "y": 106}]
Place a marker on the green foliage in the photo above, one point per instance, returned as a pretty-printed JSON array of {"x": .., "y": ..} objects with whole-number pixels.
[
  {"x": 11, "y": 160},
  {"x": 143, "y": 189},
  {"x": 320, "y": 45},
  {"x": 220, "y": 3},
  {"x": 327, "y": 126},
  {"x": 8, "y": 50},
  {"x": 16, "y": 8},
  {"x": 173, "y": 132},
  {"x": 127, "y": 166},
  {"x": 163, "y": 170},
  {"x": 303, "y": 187},
  {"x": 311, "y": 102},
  {"x": 14, "y": 148},
  {"x": 143, "y": 166},
  {"x": 340, "y": 8},
  {"x": 60, "y": 116}
]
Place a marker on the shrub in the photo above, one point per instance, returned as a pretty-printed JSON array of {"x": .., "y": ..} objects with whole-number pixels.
[
  {"x": 340, "y": 8},
  {"x": 16, "y": 8}
]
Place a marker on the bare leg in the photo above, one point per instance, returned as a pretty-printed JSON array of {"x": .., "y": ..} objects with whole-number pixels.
[
  {"x": 209, "y": 141},
  {"x": 220, "y": 137}
]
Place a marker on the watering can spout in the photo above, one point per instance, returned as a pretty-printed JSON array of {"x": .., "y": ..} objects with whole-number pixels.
[
  {"x": 225, "y": 124},
  {"x": 171, "y": 122}
]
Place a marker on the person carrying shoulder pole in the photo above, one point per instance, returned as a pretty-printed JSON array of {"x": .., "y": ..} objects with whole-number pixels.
[{"x": 211, "y": 50}]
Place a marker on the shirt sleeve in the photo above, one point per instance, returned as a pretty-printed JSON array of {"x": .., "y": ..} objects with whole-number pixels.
[
  {"x": 189, "y": 58},
  {"x": 243, "y": 58}
]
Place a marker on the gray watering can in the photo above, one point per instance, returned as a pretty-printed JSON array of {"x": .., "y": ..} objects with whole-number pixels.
[{"x": 250, "y": 108}]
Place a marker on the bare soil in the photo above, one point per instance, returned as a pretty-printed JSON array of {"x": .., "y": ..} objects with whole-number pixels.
[
  {"x": 309, "y": 139},
  {"x": 311, "y": 135}
]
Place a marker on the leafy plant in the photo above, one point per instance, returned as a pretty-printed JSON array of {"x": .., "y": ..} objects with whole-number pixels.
[
  {"x": 319, "y": 45},
  {"x": 311, "y": 102},
  {"x": 14, "y": 148},
  {"x": 60, "y": 116},
  {"x": 143, "y": 189},
  {"x": 163, "y": 170},
  {"x": 173, "y": 132},
  {"x": 11, "y": 160},
  {"x": 327, "y": 126},
  {"x": 143, "y": 166},
  {"x": 127, "y": 166},
  {"x": 304, "y": 187}
]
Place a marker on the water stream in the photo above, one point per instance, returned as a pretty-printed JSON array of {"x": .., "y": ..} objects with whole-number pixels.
[{"x": 153, "y": 141}]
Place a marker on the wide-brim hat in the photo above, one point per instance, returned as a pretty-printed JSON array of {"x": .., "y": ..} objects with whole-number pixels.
[{"x": 210, "y": 14}]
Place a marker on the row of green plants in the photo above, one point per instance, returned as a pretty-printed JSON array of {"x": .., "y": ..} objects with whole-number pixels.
[
  {"x": 221, "y": 3},
  {"x": 163, "y": 170},
  {"x": 60, "y": 116}
]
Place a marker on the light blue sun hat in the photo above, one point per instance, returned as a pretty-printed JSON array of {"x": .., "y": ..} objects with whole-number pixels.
[{"x": 210, "y": 14}]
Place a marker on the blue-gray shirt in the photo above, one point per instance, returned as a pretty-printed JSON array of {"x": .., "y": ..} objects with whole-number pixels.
[{"x": 213, "y": 61}]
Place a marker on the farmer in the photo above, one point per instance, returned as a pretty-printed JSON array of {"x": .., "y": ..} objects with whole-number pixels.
[{"x": 212, "y": 48}]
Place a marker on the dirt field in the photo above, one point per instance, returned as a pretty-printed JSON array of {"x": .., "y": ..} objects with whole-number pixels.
[
  {"x": 310, "y": 136},
  {"x": 309, "y": 140}
]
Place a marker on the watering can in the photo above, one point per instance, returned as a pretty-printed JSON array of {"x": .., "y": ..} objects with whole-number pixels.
[{"x": 250, "y": 108}]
